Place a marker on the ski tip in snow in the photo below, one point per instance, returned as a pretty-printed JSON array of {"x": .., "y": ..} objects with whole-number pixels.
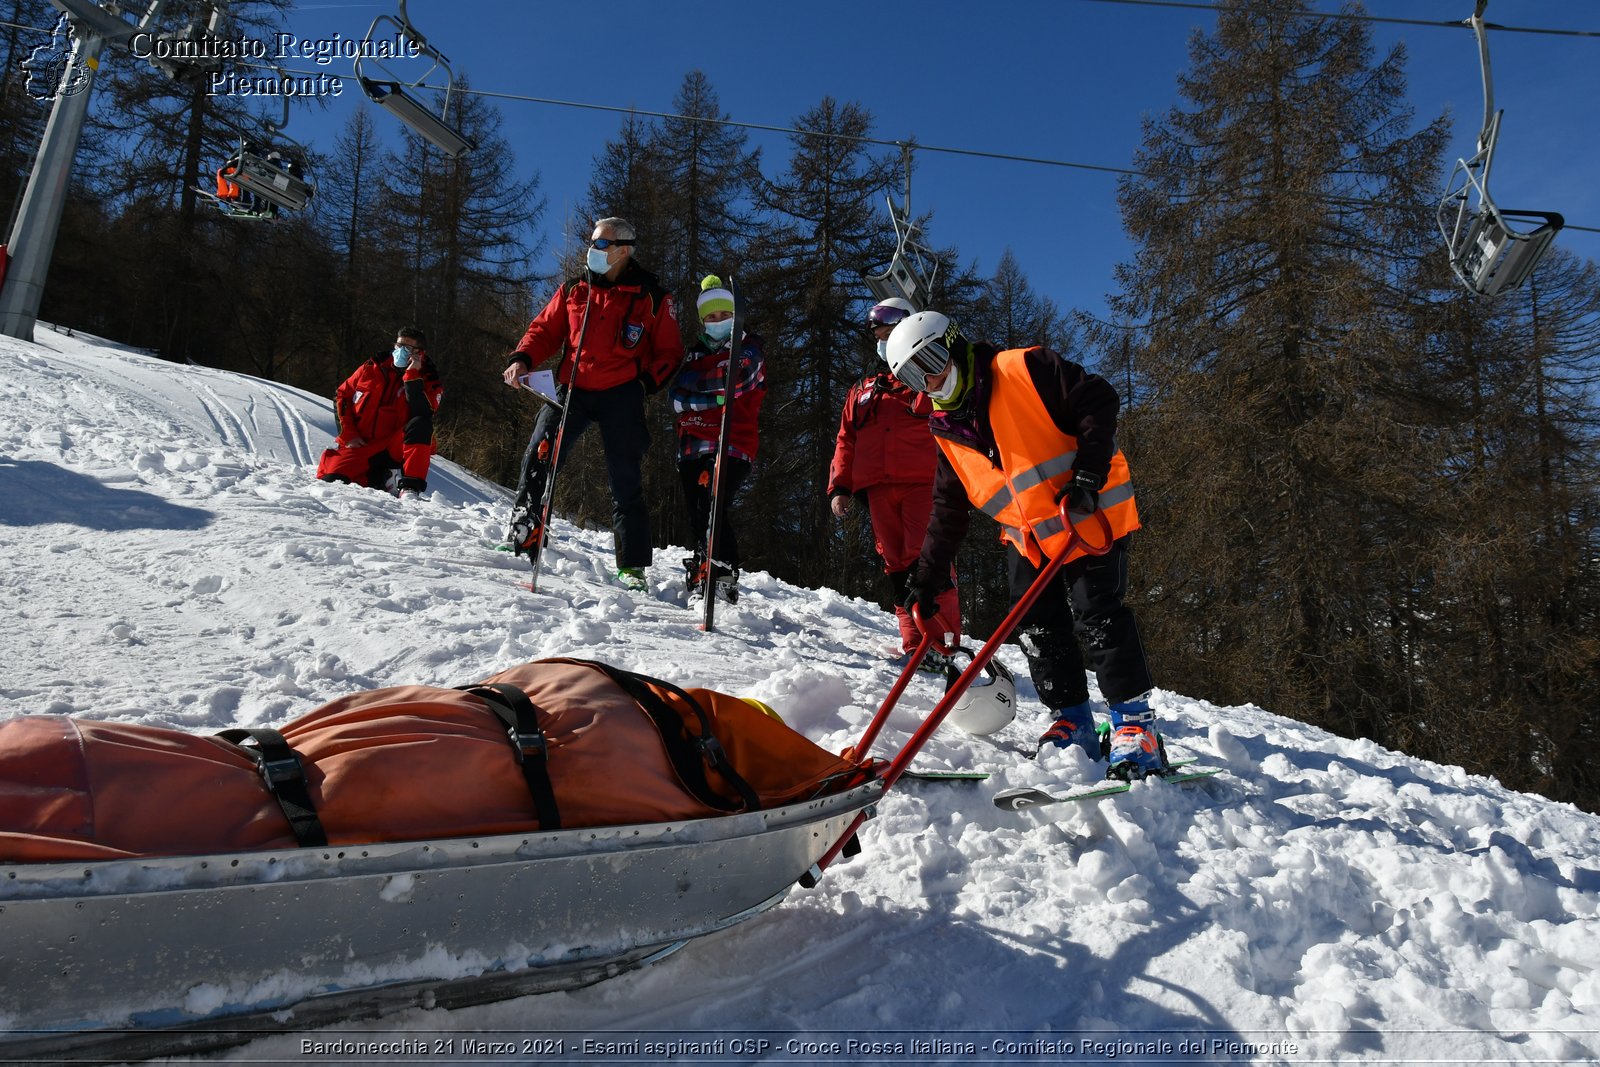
[
  {"x": 947, "y": 776},
  {"x": 1025, "y": 798}
]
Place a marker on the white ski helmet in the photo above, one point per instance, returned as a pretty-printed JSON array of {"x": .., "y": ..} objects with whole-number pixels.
[
  {"x": 889, "y": 312},
  {"x": 990, "y": 702},
  {"x": 917, "y": 349}
]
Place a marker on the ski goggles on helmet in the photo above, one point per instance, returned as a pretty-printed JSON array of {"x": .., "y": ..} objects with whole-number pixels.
[
  {"x": 926, "y": 362},
  {"x": 885, "y": 316}
]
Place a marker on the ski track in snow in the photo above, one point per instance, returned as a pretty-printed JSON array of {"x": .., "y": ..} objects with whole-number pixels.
[{"x": 174, "y": 562}]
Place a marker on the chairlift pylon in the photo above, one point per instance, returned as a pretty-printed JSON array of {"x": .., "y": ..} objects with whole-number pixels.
[
  {"x": 908, "y": 274},
  {"x": 391, "y": 93},
  {"x": 1487, "y": 253}
]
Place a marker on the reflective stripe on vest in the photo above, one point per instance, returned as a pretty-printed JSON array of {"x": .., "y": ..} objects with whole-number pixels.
[{"x": 1036, "y": 461}]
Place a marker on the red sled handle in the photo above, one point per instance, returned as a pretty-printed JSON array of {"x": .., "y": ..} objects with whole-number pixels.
[
  {"x": 1075, "y": 542},
  {"x": 930, "y": 640}
]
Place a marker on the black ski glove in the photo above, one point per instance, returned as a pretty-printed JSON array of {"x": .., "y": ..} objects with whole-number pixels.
[
  {"x": 923, "y": 594},
  {"x": 1082, "y": 494}
]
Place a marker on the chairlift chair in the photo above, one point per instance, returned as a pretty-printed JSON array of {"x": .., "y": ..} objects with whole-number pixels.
[
  {"x": 909, "y": 274},
  {"x": 391, "y": 93},
  {"x": 205, "y": 61},
  {"x": 1487, "y": 253},
  {"x": 271, "y": 179}
]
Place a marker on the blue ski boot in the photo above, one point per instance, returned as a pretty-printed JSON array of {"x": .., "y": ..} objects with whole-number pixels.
[
  {"x": 1074, "y": 726},
  {"x": 1136, "y": 750}
]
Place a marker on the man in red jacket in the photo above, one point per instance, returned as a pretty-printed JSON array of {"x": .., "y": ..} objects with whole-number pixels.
[
  {"x": 617, "y": 334},
  {"x": 885, "y": 455},
  {"x": 385, "y": 412}
]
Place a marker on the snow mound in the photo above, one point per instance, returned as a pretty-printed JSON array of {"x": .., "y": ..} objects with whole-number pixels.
[{"x": 173, "y": 561}]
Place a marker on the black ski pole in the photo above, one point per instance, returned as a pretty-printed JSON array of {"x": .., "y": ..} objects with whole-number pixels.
[{"x": 548, "y": 499}]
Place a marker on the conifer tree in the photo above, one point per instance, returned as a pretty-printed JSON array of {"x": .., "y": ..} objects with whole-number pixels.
[
  {"x": 1282, "y": 440},
  {"x": 824, "y": 234},
  {"x": 349, "y": 196},
  {"x": 1505, "y": 624},
  {"x": 463, "y": 230}
]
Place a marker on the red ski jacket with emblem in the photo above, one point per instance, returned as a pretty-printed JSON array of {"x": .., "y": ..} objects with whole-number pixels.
[
  {"x": 375, "y": 402},
  {"x": 631, "y": 333}
]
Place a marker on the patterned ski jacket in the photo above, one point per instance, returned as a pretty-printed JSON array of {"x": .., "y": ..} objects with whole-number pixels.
[
  {"x": 697, "y": 399},
  {"x": 631, "y": 332}
]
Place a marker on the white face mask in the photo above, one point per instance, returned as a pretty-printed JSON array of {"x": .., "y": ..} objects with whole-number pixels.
[
  {"x": 598, "y": 262},
  {"x": 401, "y": 356},
  {"x": 952, "y": 382},
  {"x": 718, "y": 331},
  {"x": 883, "y": 350}
]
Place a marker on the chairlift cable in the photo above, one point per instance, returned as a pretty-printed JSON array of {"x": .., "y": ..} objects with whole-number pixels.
[
  {"x": 1345, "y": 16},
  {"x": 898, "y": 143}
]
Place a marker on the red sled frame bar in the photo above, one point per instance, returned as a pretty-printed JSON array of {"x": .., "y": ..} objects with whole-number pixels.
[{"x": 898, "y": 766}]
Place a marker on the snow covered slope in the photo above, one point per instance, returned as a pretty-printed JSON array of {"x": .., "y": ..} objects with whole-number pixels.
[{"x": 170, "y": 560}]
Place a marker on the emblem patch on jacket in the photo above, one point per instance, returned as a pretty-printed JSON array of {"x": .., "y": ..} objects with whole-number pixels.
[{"x": 631, "y": 334}]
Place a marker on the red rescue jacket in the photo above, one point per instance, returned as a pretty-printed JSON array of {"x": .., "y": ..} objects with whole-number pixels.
[
  {"x": 372, "y": 403},
  {"x": 883, "y": 438},
  {"x": 631, "y": 332}
]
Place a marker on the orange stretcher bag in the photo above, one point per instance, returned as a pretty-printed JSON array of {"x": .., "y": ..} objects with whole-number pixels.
[{"x": 555, "y": 744}]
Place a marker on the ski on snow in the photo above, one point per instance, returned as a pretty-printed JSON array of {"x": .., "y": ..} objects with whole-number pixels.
[
  {"x": 1183, "y": 773},
  {"x": 946, "y": 776}
]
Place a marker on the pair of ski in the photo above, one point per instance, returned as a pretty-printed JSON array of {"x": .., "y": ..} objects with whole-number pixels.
[
  {"x": 547, "y": 500},
  {"x": 1181, "y": 772}
]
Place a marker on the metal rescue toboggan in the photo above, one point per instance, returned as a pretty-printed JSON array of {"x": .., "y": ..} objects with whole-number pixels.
[{"x": 165, "y": 955}]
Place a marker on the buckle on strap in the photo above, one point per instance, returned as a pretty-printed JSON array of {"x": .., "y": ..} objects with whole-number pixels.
[
  {"x": 529, "y": 744},
  {"x": 281, "y": 771},
  {"x": 714, "y": 752}
]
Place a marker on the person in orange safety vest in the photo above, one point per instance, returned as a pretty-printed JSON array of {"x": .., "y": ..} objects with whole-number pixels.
[{"x": 1019, "y": 431}]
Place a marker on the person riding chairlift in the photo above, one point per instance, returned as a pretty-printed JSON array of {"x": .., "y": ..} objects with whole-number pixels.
[{"x": 234, "y": 197}]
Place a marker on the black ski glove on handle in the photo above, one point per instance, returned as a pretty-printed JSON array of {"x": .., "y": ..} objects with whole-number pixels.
[
  {"x": 1082, "y": 494},
  {"x": 923, "y": 594}
]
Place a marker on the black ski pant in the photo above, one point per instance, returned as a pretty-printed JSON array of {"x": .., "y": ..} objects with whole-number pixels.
[
  {"x": 696, "y": 475},
  {"x": 619, "y": 412},
  {"x": 1084, "y": 601}
]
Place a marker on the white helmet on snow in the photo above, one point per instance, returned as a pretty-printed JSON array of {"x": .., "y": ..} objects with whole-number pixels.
[
  {"x": 990, "y": 702},
  {"x": 917, "y": 349}
]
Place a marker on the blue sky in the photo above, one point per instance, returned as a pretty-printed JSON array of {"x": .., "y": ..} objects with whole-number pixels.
[{"x": 1066, "y": 80}]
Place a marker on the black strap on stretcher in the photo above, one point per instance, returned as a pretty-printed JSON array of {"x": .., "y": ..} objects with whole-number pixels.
[
  {"x": 280, "y": 767},
  {"x": 521, "y": 718},
  {"x": 691, "y": 751}
]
